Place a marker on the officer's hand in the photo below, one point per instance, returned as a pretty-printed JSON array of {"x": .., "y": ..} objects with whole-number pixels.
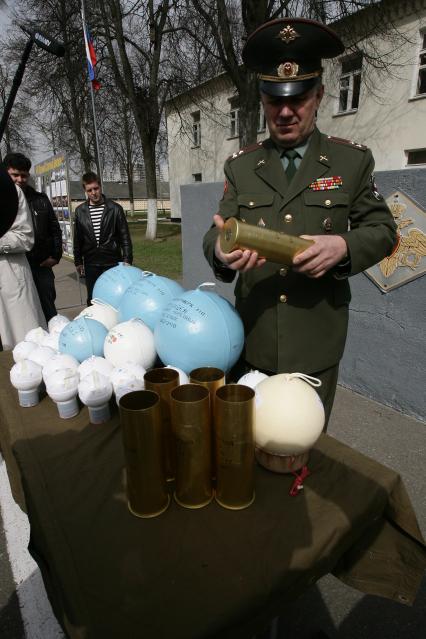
[
  {"x": 80, "y": 270},
  {"x": 320, "y": 257},
  {"x": 238, "y": 260},
  {"x": 49, "y": 262}
]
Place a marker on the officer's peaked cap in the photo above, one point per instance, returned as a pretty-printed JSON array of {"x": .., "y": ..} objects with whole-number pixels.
[{"x": 287, "y": 54}]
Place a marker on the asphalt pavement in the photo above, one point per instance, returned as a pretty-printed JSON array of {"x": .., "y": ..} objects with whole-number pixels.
[{"x": 388, "y": 436}]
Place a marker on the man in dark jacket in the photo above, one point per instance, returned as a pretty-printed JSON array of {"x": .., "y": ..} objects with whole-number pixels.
[
  {"x": 101, "y": 234},
  {"x": 47, "y": 249}
]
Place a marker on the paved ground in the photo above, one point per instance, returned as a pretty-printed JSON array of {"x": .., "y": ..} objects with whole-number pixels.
[
  {"x": 70, "y": 289},
  {"x": 390, "y": 437}
]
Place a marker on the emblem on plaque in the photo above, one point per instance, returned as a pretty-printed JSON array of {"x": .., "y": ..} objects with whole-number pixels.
[
  {"x": 374, "y": 188},
  {"x": 288, "y": 70},
  {"x": 408, "y": 260},
  {"x": 288, "y": 34}
]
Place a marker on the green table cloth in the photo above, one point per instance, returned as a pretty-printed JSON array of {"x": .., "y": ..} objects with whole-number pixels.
[{"x": 196, "y": 574}]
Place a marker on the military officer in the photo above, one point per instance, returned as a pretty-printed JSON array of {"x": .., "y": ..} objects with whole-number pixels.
[{"x": 300, "y": 182}]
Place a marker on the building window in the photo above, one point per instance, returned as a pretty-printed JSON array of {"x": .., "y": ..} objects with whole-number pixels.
[
  {"x": 234, "y": 127},
  {"x": 123, "y": 173},
  {"x": 196, "y": 128},
  {"x": 350, "y": 83},
  {"x": 234, "y": 118},
  {"x": 416, "y": 156},
  {"x": 198, "y": 177},
  {"x": 261, "y": 126},
  {"x": 139, "y": 172},
  {"x": 421, "y": 80}
]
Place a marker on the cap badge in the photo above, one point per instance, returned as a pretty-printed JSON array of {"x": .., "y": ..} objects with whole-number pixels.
[
  {"x": 288, "y": 34},
  {"x": 288, "y": 70}
]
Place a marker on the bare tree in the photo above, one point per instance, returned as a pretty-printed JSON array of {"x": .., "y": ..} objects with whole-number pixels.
[
  {"x": 17, "y": 134},
  {"x": 229, "y": 22},
  {"x": 134, "y": 34},
  {"x": 120, "y": 140},
  {"x": 56, "y": 88}
]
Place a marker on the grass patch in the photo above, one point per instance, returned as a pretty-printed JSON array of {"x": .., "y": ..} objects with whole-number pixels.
[
  {"x": 163, "y": 256},
  {"x": 142, "y": 214}
]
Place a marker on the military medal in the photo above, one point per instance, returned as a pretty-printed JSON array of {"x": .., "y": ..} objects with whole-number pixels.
[{"x": 327, "y": 183}]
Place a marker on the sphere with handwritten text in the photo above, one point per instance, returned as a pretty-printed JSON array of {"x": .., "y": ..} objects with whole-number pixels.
[
  {"x": 131, "y": 341},
  {"x": 147, "y": 298},
  {"x": 199, "y": 328},
  {"x": 82, "y": 338},
  {"x": 103, "y": 313},
  {"x": 111, "y": 285}
]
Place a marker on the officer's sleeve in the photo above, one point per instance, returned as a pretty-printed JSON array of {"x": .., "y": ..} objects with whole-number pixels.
[
  {"x": 372, "y": 233},
  {"x": 228, "y": 207},
  {"x": 20, "y": 237}
]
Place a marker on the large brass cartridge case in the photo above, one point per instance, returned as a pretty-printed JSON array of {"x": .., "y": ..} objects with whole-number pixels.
[
  {"x": 211, "y": 378},
  {"x": 190, "y": 408},
  {"x": 143, "y": 442},
  {"x": 208, "y": 376},
  {"x": 272, "y": 245},
  {"x": 234, "y": 414},
  {"x": 163, "y": 381}
]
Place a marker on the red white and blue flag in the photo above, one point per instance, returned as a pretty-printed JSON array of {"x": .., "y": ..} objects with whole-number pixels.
[{"x": 91, "y": 58}]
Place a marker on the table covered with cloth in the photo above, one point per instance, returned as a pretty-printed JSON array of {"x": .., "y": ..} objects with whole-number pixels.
[{"x": 196, "y": 574}]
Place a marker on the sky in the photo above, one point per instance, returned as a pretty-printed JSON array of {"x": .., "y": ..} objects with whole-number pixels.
[{"x": 4, "y": 12}]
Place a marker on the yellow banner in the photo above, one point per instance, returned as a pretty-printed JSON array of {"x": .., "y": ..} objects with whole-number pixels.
[{"x": 50, "y": 165}]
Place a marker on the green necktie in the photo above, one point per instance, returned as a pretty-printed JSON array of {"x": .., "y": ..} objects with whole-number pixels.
[{"x": 291, "y": 169}]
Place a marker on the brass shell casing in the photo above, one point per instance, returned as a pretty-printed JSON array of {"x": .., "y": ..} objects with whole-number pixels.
[
  {"x": 190, "y": 410},
  {"x": 234, "y": 430},
  {"x": 143, "y": 441},
  {"x": 208, "y": 376},
  {"x": 272, "y": 245},
  {"x": 163, "y": 381},
  {"x": 211, "y": 378}
]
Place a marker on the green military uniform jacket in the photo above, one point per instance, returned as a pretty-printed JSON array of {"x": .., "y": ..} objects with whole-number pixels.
[{"x": 292, "y": 322}]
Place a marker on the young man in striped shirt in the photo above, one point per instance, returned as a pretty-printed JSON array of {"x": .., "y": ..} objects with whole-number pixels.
[{"x": 101, "y": 234}]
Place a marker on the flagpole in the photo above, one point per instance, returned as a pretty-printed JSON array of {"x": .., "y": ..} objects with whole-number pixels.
[{"x": 92, "y": 95}]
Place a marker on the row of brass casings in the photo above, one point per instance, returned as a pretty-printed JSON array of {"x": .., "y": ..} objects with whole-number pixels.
[{"x": 201, "y": 435}]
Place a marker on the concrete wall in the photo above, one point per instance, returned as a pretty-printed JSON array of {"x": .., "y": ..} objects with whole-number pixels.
[
  {"x": 199, "y": 204},
  {"x": 385, "y": 357}
]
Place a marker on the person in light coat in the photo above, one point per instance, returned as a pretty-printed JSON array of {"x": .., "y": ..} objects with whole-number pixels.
[{"x": 20, "y": 308}]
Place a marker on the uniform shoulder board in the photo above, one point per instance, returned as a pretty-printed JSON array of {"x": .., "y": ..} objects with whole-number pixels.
[
  {"x": 351, "y": 143},
  {"x": 247, "y": 149}
]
